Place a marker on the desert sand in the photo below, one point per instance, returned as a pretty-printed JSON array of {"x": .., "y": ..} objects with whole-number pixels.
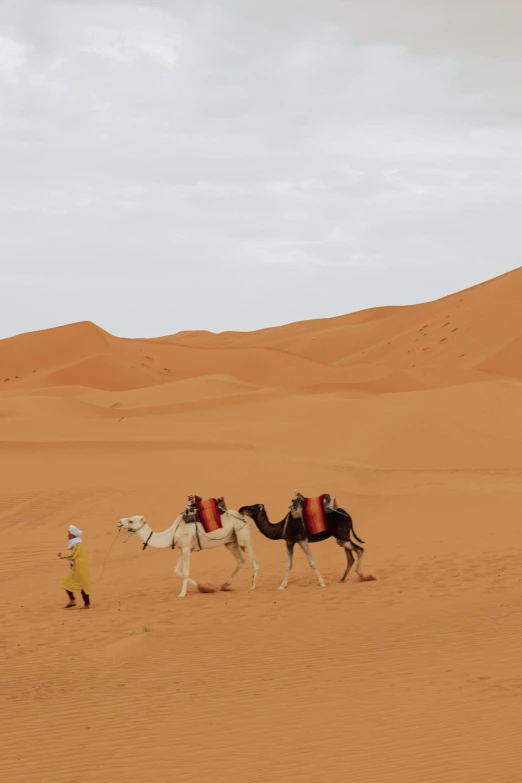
[{"x": 411, "y": 417}]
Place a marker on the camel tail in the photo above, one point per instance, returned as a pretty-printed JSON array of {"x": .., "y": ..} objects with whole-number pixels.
[{"x": 352, "y": 531}]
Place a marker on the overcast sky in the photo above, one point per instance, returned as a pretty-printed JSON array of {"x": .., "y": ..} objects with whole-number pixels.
[{"x": 172, "y": 164}]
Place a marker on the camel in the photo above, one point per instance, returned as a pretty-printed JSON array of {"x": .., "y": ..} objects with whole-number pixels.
[
  {"x": 293, "y": 530},
  {"x": 235, "y": 534}
]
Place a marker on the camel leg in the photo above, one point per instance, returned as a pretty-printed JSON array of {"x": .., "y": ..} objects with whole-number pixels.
[
  {"x": 306, "y": 549},
  {"x": 185, "y": 557},
  {"x": 178, "y": 571},
  {"x": 350, "y": 560},
  {"x": 360, "y": 553},
  {"x": 234, "y": 549},
  {"x": 289, "y": 559},
  {"x": 245, "y": 542},
  {"x": 249, "y": 549}
]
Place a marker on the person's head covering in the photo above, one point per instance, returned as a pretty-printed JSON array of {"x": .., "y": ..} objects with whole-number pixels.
[{"x": 74, "y": 531}]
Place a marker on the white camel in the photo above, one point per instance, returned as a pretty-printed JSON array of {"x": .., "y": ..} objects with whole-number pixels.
[{"x": 235, "y": 534}]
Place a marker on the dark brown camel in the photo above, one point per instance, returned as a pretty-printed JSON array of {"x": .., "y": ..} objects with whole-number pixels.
[{"x": 293, "y": 531}]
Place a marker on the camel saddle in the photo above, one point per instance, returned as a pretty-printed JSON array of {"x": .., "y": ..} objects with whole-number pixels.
[
  {"x": 312, "y": 511},
  {"x": 207, "y": 512}
]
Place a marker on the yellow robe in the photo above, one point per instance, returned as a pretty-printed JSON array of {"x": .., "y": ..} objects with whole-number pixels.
[{"x": 78, "y": 577}]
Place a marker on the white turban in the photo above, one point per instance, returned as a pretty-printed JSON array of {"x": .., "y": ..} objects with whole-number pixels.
[{"x": 74, "y": 531}]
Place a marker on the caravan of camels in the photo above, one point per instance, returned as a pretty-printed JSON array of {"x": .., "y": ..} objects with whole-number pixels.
[{"x": 206, "y": 524}]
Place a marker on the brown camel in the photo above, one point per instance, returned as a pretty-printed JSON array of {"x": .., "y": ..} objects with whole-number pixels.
[{"x": 293, "y": 530}]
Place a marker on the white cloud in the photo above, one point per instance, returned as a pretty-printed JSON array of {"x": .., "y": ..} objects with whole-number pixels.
[
  {"x": 12, "y": 56},
  {"x": 226, "y": 145}
]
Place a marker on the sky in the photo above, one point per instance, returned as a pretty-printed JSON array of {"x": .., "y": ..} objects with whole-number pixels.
[{"x": 231, "y": 165}]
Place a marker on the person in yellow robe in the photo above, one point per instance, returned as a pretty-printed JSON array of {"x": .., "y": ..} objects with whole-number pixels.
[{"x": 78, "y": 578}]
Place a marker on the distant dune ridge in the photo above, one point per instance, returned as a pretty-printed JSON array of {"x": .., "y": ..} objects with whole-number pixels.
[
  {"x": 470, "y": 335},
  {"x": 410, "y": 416}
]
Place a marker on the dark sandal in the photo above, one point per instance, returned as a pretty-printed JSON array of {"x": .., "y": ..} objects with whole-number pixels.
[{"x": 70, "y": 606}]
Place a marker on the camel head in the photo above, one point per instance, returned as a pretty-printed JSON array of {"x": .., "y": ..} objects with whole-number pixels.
[
  {"x": 252, "y": 511},
  {"x": 133, "y": 524}
]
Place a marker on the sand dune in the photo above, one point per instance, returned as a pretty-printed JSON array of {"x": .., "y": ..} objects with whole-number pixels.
[
  {"x": 460, "y": 332},
  {"x": 410, "y": 416}
]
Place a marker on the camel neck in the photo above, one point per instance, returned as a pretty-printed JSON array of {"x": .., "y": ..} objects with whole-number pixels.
[
  {"x": 161, "y": 540},
  {"x": 272, "y": 531}
]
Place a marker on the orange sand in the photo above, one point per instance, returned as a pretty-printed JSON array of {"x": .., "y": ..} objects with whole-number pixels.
[{"x": 411, "y": 417}]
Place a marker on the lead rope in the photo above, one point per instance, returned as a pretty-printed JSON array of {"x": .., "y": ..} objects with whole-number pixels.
[
  {"x": 107, "y": 556},
  {"x": 132, "y": 532}
]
